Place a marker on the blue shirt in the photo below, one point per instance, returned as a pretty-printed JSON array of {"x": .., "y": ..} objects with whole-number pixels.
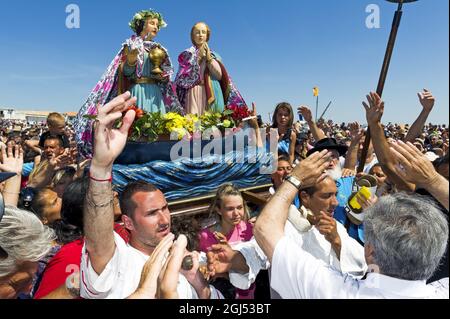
[{"x": 344, "y": 186}]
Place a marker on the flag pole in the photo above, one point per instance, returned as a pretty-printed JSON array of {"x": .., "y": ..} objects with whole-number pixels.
[
  {"x": 384, "y": 71},
  {"x": 326, "y": 109},
  {"x": 316, "y": 94},
  {"x": 317, "y": 107}
]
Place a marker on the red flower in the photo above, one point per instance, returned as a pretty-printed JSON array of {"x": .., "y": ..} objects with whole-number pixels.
[
  {"x": 139, "y": 113},
  {"x": 239, "y": 112}
]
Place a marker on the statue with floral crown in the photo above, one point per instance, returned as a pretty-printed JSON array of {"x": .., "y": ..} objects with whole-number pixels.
[{"x": 142, "y": 67}]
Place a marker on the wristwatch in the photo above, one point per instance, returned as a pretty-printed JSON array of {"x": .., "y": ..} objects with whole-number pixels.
[{"x": 294, "y": 181}]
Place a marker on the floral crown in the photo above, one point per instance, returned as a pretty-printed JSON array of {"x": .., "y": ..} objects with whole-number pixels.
[{"x": 146, "y": 14}]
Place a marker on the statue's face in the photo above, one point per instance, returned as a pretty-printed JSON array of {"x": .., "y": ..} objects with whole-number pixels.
[
  {"x": 151, "y": 29},
  {"x": 200, "y": 34}
]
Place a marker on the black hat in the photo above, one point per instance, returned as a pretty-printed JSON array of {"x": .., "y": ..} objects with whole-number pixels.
[
  {"x": 328, "y": 144},
  {"x": 5, "y": 176}
]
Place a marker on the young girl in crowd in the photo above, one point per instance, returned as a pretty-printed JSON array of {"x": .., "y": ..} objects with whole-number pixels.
[
  {"x": 283, "y": 119},
  {"x": 231, "y": 214}
]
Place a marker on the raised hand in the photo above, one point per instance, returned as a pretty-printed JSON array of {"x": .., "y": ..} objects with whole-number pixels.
[
  {"x": 306, "y": 113},
  {"x": 168, "y": 279},
  {"x": 426, "y": 99},
  {"x": 415, "y": 167},
  {"x": 253, "y": 122},
  {"x": 148, "y": 283},
  {"x": 355, "y": 131},
  {"x": 109, "y": 142},
  {"x": 312, "y": 169},
  {"x": 375, "y": 108},
  {"x": 11, "y": 159},
  {"x": 61, "y": 161}
]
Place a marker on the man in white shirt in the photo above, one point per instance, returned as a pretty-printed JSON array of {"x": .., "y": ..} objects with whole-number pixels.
[
  {"x": 110, "y": 268},
  {"x": 313, "y": 228},
  {"x": 406, "y": 236}
]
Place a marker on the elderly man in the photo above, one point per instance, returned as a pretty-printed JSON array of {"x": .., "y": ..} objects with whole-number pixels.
[
  {"x": 110, "y": 268},
  {"x": 312, "y": 227},
  {"x": 24, "y": 240},
  {"x": 406, "y": 236}
]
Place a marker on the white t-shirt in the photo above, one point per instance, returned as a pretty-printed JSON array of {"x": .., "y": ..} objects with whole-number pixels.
[
  {"x": 122, "y": 274},
  {"x": 296, "y": 274},
  {"x": 303, "y": 235}
]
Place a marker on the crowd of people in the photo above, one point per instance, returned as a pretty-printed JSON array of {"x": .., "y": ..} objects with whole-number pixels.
[
  {"x": 66, "y": 221},
  {"x": 346, "y": 217}
]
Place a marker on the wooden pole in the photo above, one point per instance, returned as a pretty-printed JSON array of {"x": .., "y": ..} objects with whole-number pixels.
[{"x": 383, "y": 75}]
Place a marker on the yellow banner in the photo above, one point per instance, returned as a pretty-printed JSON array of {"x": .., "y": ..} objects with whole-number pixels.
[{"x": 316, "y": 91}]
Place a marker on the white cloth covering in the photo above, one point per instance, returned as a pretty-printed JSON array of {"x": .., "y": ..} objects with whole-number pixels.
[
  {"x": 296, "y": 274},
  {"x": 303, "y": 235}
]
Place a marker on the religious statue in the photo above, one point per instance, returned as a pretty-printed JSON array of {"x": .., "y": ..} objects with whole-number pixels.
[
  {"x": 203, "y": 83},
  {"x": 142, "y": 67}
]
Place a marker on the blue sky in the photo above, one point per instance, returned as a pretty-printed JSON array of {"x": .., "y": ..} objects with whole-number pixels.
[{"x": 274, "y": 51}]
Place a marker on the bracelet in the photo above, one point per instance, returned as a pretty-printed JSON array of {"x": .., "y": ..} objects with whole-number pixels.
[
  {"x": 101, "y": 180},
  {"x": 105, "y": 204}
]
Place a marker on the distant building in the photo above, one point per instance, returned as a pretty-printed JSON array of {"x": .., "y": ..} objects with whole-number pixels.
[{"x": 31, "y": 116}]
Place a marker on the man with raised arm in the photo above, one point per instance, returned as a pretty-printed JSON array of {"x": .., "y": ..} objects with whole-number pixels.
[
  {"x": 110, "y": 268},
  {"x": 405, "y": 238}
]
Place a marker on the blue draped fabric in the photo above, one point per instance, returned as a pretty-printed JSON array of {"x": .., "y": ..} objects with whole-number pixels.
[
  {"x": 186, "y": 178},
  {"x": 191, "y": 176}
]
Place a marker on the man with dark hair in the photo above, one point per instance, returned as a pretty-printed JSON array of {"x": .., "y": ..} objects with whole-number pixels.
[
  {"x": 127, "y": 203},
  {"x": 110, "y": 268},
  {"x": 145, "y": 214},
  {"x": 284, "y": 168},
  {"x": 53, "y": 146},
  {"x": 55, "y": 158},
  {"x": 312, "y": 227}
]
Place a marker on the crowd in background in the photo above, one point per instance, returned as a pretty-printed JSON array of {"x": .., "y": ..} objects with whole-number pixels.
[{"x": 65, "y": 217}]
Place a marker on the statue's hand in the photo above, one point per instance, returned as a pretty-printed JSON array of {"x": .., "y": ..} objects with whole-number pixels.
[
  {"x": 161, "y": 78},
  {"x": 132, "y": 56},
  {"x": 202, "y": 52}
]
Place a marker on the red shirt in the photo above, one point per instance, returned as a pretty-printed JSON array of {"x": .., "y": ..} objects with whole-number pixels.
[{"x": 66, "y": 262}]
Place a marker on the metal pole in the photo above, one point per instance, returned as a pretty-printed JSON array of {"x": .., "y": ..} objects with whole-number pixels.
[
  {"x": 326, "y": 109},
  {"x": 383, "y": 75},
  {"x": 317, "y": 107}
]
